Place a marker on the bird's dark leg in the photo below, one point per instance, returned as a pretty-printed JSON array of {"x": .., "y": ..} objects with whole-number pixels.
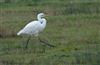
[
  {"x": 45, "y": 42},
  {"x": 27, "y": 42}
]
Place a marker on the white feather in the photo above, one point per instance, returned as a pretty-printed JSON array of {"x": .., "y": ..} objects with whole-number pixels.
[{"x": 34, "y": 27}]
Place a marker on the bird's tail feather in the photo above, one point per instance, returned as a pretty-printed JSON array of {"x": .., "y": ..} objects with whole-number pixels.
[{"x": 19, "y": 33}]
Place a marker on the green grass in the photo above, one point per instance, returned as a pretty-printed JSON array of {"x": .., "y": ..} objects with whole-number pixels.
[{"x": 74, "y": 28}]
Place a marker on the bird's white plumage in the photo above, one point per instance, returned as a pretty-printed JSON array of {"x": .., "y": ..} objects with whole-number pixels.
[{"x": 34, "y": 27}]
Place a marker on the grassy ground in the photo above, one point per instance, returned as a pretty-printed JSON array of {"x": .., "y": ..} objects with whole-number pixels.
[{"x": 74, "y": 28}]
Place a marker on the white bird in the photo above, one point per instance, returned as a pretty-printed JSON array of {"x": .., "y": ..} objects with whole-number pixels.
[{"x": 34, "y": 28}]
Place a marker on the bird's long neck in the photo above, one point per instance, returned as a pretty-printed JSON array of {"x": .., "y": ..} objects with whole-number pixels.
[{"x": 39, "y": 18}]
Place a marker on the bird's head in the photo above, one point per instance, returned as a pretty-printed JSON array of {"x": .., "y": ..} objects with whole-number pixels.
[{"x": 40, "y": 15}]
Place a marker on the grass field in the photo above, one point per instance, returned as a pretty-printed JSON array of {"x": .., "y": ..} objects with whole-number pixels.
[{"x": 73, "y": 26}]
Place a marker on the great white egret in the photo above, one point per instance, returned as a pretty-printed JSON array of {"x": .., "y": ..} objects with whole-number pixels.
[{"x": 34, "y": 28}]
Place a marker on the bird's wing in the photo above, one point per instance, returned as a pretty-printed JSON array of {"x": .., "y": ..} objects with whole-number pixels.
[{"x": 31, "y": 28}]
